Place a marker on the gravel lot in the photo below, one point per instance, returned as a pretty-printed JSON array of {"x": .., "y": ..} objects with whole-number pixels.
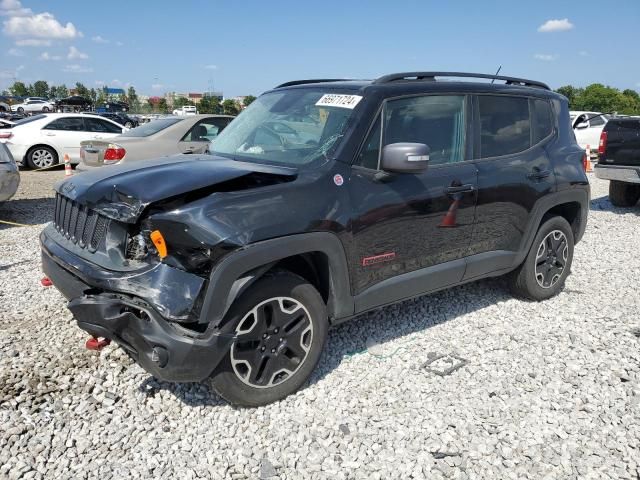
[{"x": 548, "y": 390}]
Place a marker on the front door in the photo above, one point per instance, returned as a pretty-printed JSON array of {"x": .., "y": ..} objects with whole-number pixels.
[{"x": 413, "y": 230}]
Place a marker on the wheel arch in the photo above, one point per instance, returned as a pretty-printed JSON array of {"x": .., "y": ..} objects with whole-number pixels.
[
  {"x": 41, "y": 144},
  {"x": 318, "y": 257}
]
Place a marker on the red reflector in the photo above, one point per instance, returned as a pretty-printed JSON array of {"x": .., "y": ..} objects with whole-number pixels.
[
  {"x": 6, "y": 135},
  {"x": 584, "y": 162},
  {"x": 97, "y": 343},
  {"x": 114, "y": 154},
  {"x": 602, "y": 146},
  {"x": 46, "y": 282}
]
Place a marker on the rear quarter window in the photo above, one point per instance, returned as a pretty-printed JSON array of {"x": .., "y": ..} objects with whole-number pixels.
[{"x": 542, "y": 120}]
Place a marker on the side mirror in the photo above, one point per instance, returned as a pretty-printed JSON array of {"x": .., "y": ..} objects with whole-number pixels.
[
  {"x": 405, "y": 157},
  {"x": 582, "y": 125}
]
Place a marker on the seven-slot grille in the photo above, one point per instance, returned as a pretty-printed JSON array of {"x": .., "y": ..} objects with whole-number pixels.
[{"x": 80, "y": 224}]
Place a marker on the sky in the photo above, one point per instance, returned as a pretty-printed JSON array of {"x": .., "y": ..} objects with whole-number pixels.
[{"x": 243, "y": 47}]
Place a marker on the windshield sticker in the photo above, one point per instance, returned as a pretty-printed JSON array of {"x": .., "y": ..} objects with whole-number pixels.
[{"x": 335, "y": 100}]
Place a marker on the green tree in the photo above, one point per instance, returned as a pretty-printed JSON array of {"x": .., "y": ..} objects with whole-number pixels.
[
  {"x": 572, "y": 93},
  {"x": 19, "y": 89},
  {"x": 132, "y": 99},
  {"x": 229, "y": 107},
  {"x": 162, "y": 105},
  {"x": 248, "y": 100},
  {"x": 82, "y": 90},
  {"x": 210, "y": 105},
  {"x": 40, "y": 88},
  {"x": 93, "y": 95},
  {"x": 182, "y": 102}
]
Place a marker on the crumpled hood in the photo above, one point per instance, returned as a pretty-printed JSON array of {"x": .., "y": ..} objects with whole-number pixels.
[{"x": 122, "y": 192}]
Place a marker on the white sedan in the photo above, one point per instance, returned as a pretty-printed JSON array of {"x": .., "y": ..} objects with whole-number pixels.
[
  {"x": 34, "y": 106},
  {"x": 587, "y": 127},
  {"x": 43, "y": 140}
]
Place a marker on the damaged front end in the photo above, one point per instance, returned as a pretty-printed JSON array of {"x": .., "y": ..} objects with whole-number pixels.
[{"x": 102, "y": 254}]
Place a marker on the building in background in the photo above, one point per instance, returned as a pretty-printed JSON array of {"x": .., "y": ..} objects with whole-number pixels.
[{"x": 215, "y": 94}]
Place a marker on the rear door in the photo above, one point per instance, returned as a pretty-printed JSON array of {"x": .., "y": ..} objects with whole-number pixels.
[
  {"x": 514, "y": 172},
  {"x": 409, "y": 222},
  {"x": 65, "y": 135},
  {"x": 198, "y": 138}
]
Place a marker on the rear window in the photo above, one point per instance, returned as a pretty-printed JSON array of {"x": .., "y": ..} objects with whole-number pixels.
[
  {"x": 152, "y": 127},
  {"x": 505, "y": 128},
  {"x": 29, "y": 119}
]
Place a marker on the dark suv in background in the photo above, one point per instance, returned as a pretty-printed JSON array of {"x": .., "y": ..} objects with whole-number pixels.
[{"x": 324, "y": 199}]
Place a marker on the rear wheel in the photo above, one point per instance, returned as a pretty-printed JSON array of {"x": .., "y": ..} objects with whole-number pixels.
[
  {"x": 42, "y": 157},
  {"x": 281, "y": 331},
  {"x": 623, "y": 194},
  {"x": 20, "y": 110},
  {"x": 128, "y": 125},
  {"x": 45, "y": 109},
  {"x": 548, "y": 263}
]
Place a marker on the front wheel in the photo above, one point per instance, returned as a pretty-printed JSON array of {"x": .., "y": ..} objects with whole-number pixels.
[
  {"x": 42, "y": 157},
  {"x": 20, "y": 110},
  {"x": 548, "y": 263},
  {"x": 281, "y": 330}
]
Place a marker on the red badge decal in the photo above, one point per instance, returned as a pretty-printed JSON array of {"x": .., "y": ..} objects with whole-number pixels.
[
  {"x": 385, "y": 257},
  {"x": 337, "y": 179}
]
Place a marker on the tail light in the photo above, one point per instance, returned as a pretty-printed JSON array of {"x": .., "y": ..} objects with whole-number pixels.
[
  {"x": 602, "y": 146},
  {"x": 114, "y": 153},
  {"x": 6, "y": 135}
]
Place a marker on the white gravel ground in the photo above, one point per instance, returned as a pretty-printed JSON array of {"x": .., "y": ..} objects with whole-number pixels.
[{"x": 548, "y": 390}]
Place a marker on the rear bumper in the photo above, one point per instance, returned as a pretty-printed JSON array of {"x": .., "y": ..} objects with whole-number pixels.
[
  {"x": 620, "y": 173},
  {"x": 163, "y": 348}
]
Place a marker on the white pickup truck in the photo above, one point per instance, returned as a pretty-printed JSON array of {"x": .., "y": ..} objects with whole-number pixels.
[{"x": 186, "y": 110}]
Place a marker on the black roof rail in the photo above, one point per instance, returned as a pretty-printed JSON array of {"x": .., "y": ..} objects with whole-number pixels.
[
  {"x": 431, "y": 76},
  {"x": 315, "y": 80}
]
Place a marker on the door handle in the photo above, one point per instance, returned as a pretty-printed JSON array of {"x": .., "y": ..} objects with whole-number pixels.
[
  {"x": 50, "y": 134},
  {"x": 460, "y": 189},
  {"x": 537, "y": 174}
]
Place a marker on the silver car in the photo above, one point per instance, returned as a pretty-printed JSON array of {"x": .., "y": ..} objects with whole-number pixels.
[
  {"x": 9, "y": 176},
  {"x": 158, "y": 138}
]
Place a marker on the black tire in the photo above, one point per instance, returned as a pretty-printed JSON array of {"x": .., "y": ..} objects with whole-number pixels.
[
  {"x": 526, "y": 281},
  {"x": 20, "y": 110},
  {"x": 622, "y": 194},
  {"x": 41, "y": 156},
  {"x": 128, "y": 125},
  {"x": 45, "y": 109},
  {"x": 259, "y": 310}
]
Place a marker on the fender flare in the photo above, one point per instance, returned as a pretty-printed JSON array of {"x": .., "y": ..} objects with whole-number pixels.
[
  {"x": 545, "y": 204},
  {"x": 241, "y": 268}
]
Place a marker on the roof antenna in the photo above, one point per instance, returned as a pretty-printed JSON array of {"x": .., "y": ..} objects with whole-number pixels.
[{"x": 497, "y": 72}]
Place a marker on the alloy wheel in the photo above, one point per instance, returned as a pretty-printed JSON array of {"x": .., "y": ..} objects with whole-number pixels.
[
  {"x": 273, "y": 341},
  {"x": 42, "y": 158},
  {"x": 551, "y": 258}
]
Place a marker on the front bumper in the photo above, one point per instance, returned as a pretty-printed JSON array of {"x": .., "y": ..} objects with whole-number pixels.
[
  {"x": 165, "y": 349},
  {"x": 9, "y": 180},
  {"x": 620, "y": 173}
]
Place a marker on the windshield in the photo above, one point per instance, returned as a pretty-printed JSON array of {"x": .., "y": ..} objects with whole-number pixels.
[
  {"x": 293, "y": 127},
  {"x": 152, "y": 127}
]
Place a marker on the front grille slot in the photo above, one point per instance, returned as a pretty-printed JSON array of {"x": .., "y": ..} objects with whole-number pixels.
[{"x": 80, "y": 224}]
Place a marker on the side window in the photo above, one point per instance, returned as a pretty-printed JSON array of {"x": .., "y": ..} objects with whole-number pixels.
[
  {"x": 596, "y": 121},
  {"x": 504, "y": 125},
  {"x": 435, "y": 120},
  {"x": 370, "y": 152},
  {"x": 100, "y": 126},
  {"x": 69, "y": 124},
  {"x": 542, "y": 120},
  {"x": 203, "y": 131}
]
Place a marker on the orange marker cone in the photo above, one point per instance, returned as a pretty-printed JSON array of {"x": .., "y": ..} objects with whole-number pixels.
[
  {"x": 67, "y": 166},
  {"x": 588, "y": 154},
  {"x": 449, "y": 219}
]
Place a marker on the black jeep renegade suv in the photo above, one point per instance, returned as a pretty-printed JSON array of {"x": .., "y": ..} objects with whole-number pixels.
[{"x": 322, "y": 200}]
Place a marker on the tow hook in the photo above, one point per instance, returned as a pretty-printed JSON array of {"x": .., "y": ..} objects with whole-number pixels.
[{"x": 97, "y": 343}]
